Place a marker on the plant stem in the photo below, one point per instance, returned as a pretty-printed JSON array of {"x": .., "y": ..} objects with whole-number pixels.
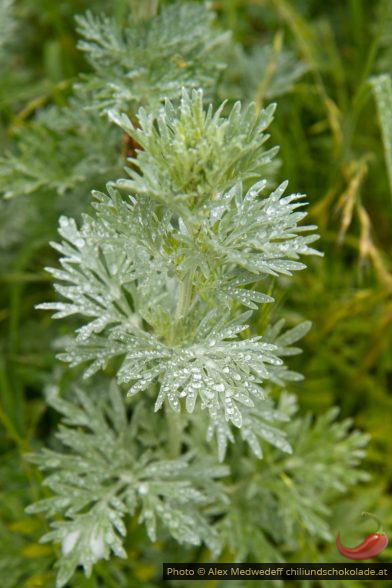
[
  {"x": 174, "y": 431},
  {"x": 184, "y": 297},
  {"x": 269, "y": 70},
  {"x": 380, "y": 529}
]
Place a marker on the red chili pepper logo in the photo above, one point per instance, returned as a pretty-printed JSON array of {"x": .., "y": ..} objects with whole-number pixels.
[{"x": 372, "y": 546}]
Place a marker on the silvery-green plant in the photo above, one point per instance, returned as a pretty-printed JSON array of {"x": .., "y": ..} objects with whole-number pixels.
[
  {"x": 176, "y": 421},
  {"x": 163, "y": 274}
]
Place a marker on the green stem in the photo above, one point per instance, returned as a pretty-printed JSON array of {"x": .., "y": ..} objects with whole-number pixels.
[
  {"x": 185, "y": 287},
  {"x": 380, "y": 529},
  {"x": 269, "y": 70},
  {"x": 184, "y": 297},
  {"x": 174, "y": 431}
]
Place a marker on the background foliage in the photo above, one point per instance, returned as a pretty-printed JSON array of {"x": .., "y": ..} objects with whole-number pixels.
[{"x": 322, "y": 63}]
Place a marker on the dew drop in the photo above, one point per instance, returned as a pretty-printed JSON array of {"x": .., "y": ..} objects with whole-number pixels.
[{"x": 143, "y": 488}]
